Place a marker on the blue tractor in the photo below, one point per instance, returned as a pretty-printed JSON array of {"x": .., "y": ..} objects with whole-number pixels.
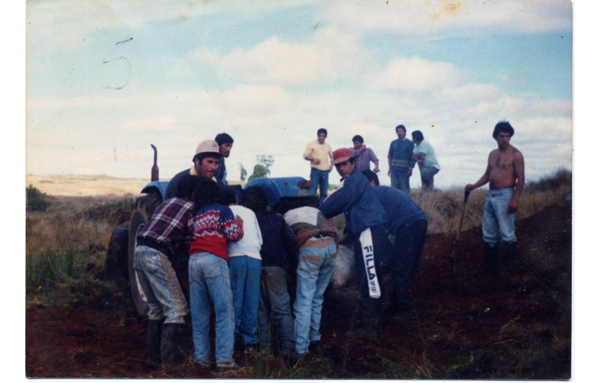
[{"x": 119, "y": 258}]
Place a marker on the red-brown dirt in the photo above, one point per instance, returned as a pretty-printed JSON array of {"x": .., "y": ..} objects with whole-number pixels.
[{"x": 513, "y": 326}]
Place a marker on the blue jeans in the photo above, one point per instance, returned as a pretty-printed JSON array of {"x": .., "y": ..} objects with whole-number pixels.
[
  {"x": 159, "y": 283},
  {"x": 320, "y": 179},
  {"x": 275, "y": 306},
  {"x": 497, "y": 221},
  {"x": 315, "y": 267},
  {"x": 400, "y": 180},
  {"x": 245, "y": 286},
  {"x": 209, "y": 283},
  {"x": 427, "y": 177},
  {"x": 408, "y": 247}
]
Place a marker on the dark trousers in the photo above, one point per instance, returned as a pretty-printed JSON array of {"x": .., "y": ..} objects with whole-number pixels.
[
  {"x": 381, "y": 245},
  {"x": 407, "y": 250}
]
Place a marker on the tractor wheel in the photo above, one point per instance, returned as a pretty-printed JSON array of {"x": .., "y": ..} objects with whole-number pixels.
[
  {"x": 116, "y": 263},
  {"x": 138, "y": 221}
]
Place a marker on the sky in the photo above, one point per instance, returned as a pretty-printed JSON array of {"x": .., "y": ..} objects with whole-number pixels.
[{"x": 105, "y": 79}]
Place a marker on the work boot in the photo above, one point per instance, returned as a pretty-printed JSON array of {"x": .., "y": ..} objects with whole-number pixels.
[
  {"x": 490, "y": 259},
  {"x": 172, "y": 334},
  {"x": 153, "y": 339},
  {"x": 508, "y": 254},
  {"x": 229, "y": 366}
]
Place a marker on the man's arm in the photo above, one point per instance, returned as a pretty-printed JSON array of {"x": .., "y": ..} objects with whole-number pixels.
[
  {"x": 308, "y": 155},
  {"x": 519, "y": 164},
  {"x": 483, "y": 180},
  {"x": 376, "y": 169}
]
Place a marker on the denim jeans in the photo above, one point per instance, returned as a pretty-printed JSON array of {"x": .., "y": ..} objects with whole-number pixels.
[
  {"x": 209, "y": 283},
  {"x": 497, "y": 221},
  {"x": 159, "y": 282},
  {"x": 407, "y": 250},
  {"x": 315, "y": 267},
  {"x": 245, "y": 286},
  {"x": 400, "y": 180},
  {"x": 275, "y": 306},
  {"x": 320, "y": 179},
  {"x": 427, "y": 177}
]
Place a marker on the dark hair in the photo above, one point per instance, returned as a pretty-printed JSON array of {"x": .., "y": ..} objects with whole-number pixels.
[
  {"x": 201, "y": 156},
  {"x": 186, "y": 186},
  {"x": 223, "y": 138},
  {"x": 358, "y": 138},
  {"x": 371, "y": 176},
  {"x": 206, "y": 192},
  {"x": 286, "y": 204},
  {"x": 228, "y": 196},
  {"x": 503, "y": 126},
  {"x": 400, "y": 127},
  {"x": 254, "y": 198},
  {"x": 322, "y": 130},
  {"x": 417, "y": 135}
]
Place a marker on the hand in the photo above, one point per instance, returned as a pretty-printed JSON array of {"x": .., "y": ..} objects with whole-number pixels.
[
  {"x": 512, "y": 207},
  {"x": 389, "y": 172},
  {"x": 316, "y": 160},
  {"x": 409, "y": 173},
  {"x": 376, "y": 170},
  {"x": 469, "y": 187},
  {"x": 239, "y": 221},
  {"x": 330, "y": 168}
]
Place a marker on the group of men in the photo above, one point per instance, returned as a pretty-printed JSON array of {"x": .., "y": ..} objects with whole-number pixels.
[
  {"x": 372, "y": 213},
  {"x": 403, "y": 155}
]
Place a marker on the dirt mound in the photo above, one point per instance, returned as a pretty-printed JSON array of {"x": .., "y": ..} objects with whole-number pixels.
[{"x": 516, "y": 325}]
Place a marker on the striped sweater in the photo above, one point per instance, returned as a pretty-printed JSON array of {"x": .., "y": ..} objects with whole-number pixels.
[{"x": 213, "y": 226}]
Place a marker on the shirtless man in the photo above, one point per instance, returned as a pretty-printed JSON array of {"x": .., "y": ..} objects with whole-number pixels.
[{"x": 506, "y": 174}]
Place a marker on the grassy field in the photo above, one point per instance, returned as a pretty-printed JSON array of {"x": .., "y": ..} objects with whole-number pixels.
[{"x": 70, "y": 219}]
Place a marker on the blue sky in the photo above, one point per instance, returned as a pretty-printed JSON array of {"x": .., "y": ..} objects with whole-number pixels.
[{"x": 105, "y": 79}]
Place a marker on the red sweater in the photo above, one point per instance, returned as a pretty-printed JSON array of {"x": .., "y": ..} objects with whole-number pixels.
[{"x": 213, "y": 226}]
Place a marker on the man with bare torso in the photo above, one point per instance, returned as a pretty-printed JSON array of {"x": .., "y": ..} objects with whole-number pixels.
[{"x": 506, "y": 174}]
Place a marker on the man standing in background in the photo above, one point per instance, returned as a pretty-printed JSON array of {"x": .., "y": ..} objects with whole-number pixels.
[
  {"x": 363, "y": 155},
  {"x": 425, "y": 157},
  {"x": 319, "y": 153},
  {"x": 225, "y": 143},
  {"x": 400, "y": 160}
]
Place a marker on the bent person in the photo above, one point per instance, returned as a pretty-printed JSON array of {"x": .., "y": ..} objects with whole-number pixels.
[
  {"x": 165, "y": 236},
  {"x": 505, "y": 173},
  {"x": 426, "y": 158}
]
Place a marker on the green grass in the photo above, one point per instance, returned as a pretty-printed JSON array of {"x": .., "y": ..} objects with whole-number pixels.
[
  {"x": 36, "y": 200},
  {"x": 45, "y": 270}
]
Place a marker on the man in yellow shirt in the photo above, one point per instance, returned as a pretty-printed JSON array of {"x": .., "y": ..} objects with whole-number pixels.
[{"x": 319, "y": 154}]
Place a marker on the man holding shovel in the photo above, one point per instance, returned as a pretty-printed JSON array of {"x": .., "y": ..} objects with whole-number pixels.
[{"x": 506, "y": 174}]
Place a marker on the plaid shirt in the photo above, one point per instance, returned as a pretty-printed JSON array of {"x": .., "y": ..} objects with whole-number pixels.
[{"x": 167, "y": 229}]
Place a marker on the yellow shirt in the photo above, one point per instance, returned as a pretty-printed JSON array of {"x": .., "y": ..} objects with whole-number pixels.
[{"x": 314, "y": 149}]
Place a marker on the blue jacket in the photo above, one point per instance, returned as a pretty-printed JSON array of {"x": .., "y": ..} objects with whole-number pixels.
[
  {"x": 357, "y": 201},
  {"x": 400, "y": 209},
  {"x": 278, "y": 239}
]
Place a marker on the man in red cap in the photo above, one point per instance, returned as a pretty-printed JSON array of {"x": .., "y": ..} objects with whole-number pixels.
[{"x": 365, "y": 229}]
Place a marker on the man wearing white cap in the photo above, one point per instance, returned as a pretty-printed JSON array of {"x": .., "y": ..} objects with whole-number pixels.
[{"x": 206, "y": 163}]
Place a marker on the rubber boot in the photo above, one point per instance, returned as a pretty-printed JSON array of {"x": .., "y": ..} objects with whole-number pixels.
[
  {"x": 490, "y": 259},
  {"x": 508, "y": 254},
  {"x": 153, "y": 339},
  {"x": 172, "y": 334}
]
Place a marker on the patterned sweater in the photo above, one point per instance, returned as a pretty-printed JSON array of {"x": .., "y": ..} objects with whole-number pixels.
[{"x": 213, "y": 226}]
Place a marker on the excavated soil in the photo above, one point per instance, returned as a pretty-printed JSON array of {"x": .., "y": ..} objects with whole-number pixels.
[{"x": 516, "y": 325}]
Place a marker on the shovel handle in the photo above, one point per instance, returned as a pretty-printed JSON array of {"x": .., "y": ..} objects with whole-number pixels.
[{"x": 462, "y": 214}]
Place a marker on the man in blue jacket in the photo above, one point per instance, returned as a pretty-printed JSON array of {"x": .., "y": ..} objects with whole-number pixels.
[
  {"x": 408, "y": 224},
  {"x": 365, "y": 228}
]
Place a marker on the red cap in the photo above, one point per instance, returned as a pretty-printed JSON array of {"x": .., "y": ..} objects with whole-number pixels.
[{"x": 341, "y": 155}]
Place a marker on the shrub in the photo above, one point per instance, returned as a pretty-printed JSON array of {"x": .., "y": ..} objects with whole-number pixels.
[
  {"x": 36, "y": 200},
  {"x": 46, "y": 269}
]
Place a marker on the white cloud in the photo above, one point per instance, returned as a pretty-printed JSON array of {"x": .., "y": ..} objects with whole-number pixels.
[
  {"x": 328, "y": 56},
  {"x": 415, "y": 74},
  {"x": 457, "y": 17}
]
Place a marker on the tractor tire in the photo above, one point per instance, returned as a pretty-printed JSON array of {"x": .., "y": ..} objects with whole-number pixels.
[
  {"x": 144, "y": 207},
  {"x": 116, "y": 263},
  {"x": 138, "y": 221}
]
